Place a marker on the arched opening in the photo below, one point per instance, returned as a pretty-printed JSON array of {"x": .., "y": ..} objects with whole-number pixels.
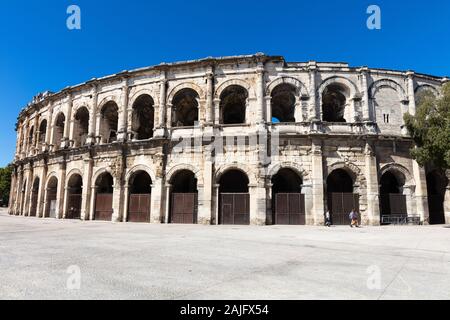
[
  {"x": 34, "y": 197},
  {"x": 184, "y": 198},
  {"x": 392, "y": 200},
  {"x": 109, "y": 122},
  {"x": 283, "y": 103},
  {"x": 81, "y": 129},
  {"x": 104, "y": 186},
  {"x": 58, "y": 130},
  {"x": 143, "y": 117},
  {"x": 423, "y": 95},
  {"x": 334, "y": 101},
  {"x": 234, "y": 200},
  {"x": 437, "y": 184},
  {"x": 21, "y": 141},
  {"x": 74, "y": 193},
  {"x": 185, "y": 106},
  {"x": 42, "y": 132},
  {"x": 233, "y": 102},
  {"x": 341, "y": 199},
  {"x": 51, "y": 201},
  {"x": 139, "y": 208},
  {"x": 31, "y": 139},
  {"x": 288, "y": 202},
  {"x": 339, "y": 181}
]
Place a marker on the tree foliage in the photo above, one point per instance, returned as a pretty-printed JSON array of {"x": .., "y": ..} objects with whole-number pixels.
[
  {"x": 430, "y": 128},
  {"x": 5, "y": 184}
]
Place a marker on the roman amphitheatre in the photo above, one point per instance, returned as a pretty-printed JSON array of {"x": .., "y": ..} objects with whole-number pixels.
[{"x": 265, "y": 141}]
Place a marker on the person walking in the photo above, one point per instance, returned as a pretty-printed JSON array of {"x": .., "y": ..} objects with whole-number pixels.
[
  {"x": 354, "y": 219},
  {"x": 327, "y": 218}
]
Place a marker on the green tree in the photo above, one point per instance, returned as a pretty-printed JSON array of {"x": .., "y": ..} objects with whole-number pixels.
[
  {"x": 5, "y": 184},
  {"x": 430, "y": 128}
]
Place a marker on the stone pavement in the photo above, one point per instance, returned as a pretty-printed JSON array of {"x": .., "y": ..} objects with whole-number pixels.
[{"x": 41, "y": 259}]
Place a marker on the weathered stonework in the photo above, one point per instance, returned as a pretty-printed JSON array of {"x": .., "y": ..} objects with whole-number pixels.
[{"x": 332, "y": 118}]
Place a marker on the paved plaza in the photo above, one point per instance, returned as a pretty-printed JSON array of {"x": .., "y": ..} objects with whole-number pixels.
[{"x": 42, "y": 258}]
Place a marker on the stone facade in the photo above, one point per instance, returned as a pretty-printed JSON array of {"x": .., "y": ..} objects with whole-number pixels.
[{"x": 323, "y": 118}]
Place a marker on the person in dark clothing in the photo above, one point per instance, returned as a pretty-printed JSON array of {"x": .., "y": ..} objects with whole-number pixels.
[
  {"x": 327, "y": 218},
  {"x": 354, "y": 219}
]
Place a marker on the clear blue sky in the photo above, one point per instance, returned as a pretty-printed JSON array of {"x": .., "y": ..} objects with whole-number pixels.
[{"x": 38, "y": 52}]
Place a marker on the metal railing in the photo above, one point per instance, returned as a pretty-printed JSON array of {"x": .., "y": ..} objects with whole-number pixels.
[{"x": 400, "y": 219}]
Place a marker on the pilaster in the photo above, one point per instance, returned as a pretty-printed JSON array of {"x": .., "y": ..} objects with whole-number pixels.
[
  {"x": 371, "y": 172},
  {"x": 317, "y": 180}
]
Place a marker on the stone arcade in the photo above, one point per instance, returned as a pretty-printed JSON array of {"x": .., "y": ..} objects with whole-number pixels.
[{"x": 105, "y": 149}]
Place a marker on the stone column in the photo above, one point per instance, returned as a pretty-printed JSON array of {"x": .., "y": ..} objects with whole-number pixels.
[
  {"x": 314, "y": 111},
  {"x": 27, "y": 196},
  {"x": 411, "y": 205},
  {"x": 49, "y": 133},
  {"x": 26, "y": 141},
  {"x": 18, "y": 203},
  {"x": 36, "y": 134},
  {"x": 38, "y": 131},
  {"x": 205, "y": 195},
  {"x": 354, "y": 112},
  {"x": 93, "y": 116},
  {"x": 126, "y": 192},
  {"x": 23, "y": 141},
  {"x": 60, "y": 194},
  {"x": 123, "y": 111},
  {"x": 157, "y": 201},
  {"x": 21, "y": 192},
  {"x": 17, "y": 153},
  {"x": 371, "y": 172},
  {"x": 46, "y": 205},
  {"x": 366, "y": 116},
  {"x": 25, "y": 138},
  {"x": 65, "y": 201},
  {"x": 411, "y": 93},
  {"x": 68, "y": 124},
  {"x": 258, "y": 204},
  {"x": 307, "y": 190},
  {"x": 268, "y": 109},
  {"x": 317, "y": 180},
  {"x": 37, "y": 144},
  {"x": 118, "y": 196},
  {"x": 421, "y": 192},
  {"x": 160, "y": 130},
  {"x": 86, "y": 192},
  {"x": 171, "y": 115},
  {"x": 167, "y": 206},
  {"x": 72, "y": 131},
  {"x": 23, "y": 150},
  {"x": 298, "y": 111},
  {"x": 269, "y": 204},
  {"x": 260, "y": 88},
  {"x": 92, "y": 202},
  {"x": 22, "y": 189},
  {"x": 216, "y": 112},
  {"x": 131, "y": 135},
  {"x": 18, "y": 140},
  {"x": 41, "y": 200},
  {"x": 209, "y": 97},
  {"x": 98, "y": 135},
  {"x": 216, "y": 204}
]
